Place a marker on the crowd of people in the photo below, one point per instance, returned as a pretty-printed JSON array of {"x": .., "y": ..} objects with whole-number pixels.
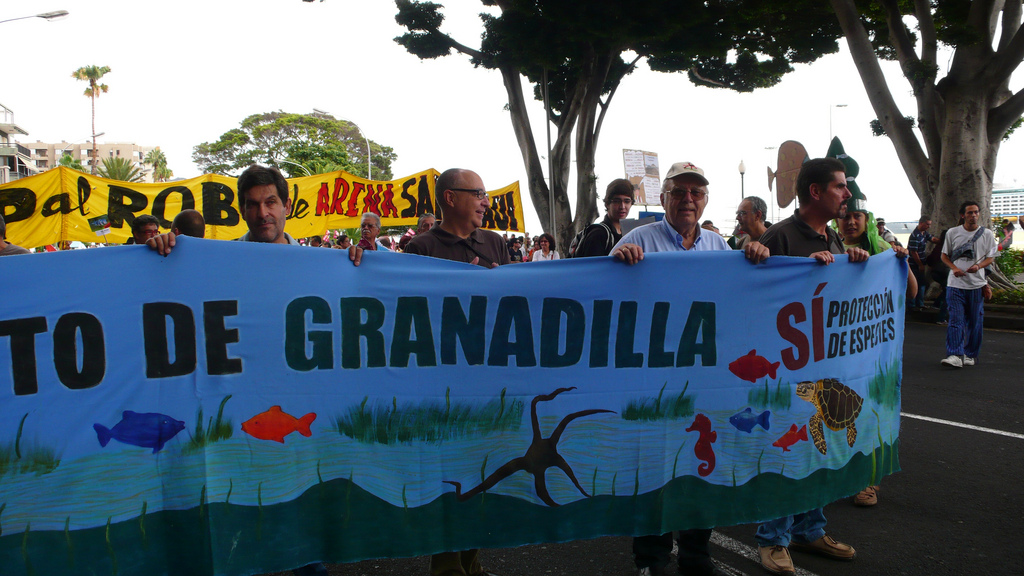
[{"x": 832, "y": 219}]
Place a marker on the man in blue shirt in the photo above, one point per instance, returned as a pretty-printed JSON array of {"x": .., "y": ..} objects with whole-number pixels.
[
  {"x": 918, "y": 245},
  {"x": 684, "y": 195}
]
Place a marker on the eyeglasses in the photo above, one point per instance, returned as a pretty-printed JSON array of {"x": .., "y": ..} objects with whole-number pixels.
[
  {"x": 679, "y": 193},
  {"x": 623, "y": 201},
  {"x": 741, "y": 213},
  {"x": 478, "y": 193}
]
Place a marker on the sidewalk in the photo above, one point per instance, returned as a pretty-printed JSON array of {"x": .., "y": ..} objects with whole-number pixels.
[{"x": 997, "y": 316}]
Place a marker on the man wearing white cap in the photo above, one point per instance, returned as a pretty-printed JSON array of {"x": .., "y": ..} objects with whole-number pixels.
[{"x": 684, "y": 195}]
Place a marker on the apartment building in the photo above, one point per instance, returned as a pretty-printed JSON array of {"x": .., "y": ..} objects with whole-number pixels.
[
  {"x": 46, "y": 155},
  {"x": 15, "y": 160}
]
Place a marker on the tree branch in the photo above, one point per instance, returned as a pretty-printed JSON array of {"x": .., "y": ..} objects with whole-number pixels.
[
  {"x": 929, "y": 102},
  {"x": 1010, "y": 54},
  {"x": 1003, "y": 116},
  {"x": 1010, "y": 22},
  {"x": 611, "y": 93},
  {"x": 900, "y": 37},
  {"x": 926, "y": 24},
  {"x": 980, "y": 17},
  {"x": 914, "y": 162}
]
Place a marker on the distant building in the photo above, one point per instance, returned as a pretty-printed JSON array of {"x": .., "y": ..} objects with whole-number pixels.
[
  {"x": 1007, "y": 202},
  {"x": 15, "y": 159},
  {"x": 47, "y": 155}
]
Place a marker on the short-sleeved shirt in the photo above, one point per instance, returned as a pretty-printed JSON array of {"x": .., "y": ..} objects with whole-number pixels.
[
  {"x": 918, "y": 243},
  {"x": 662, "y": 237},
  {"x": 596, "y": 241},
  {"x": 794, "y": 237},
  {"x": 11, "y": 250},
  {"x": 483, "y": 244},
  {"x": 977, "y": 250}
]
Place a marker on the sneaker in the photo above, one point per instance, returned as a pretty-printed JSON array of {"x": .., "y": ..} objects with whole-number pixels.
[
  {"x": 968, "y": 361},
  {"x": 826, "y": 546},
  {"x": 953, "y": 361},
  {"x": 866, "y": 497},
  {"x": 776, "y": 559}
]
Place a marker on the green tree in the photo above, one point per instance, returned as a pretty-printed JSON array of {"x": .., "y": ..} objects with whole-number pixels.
[
  {"x": 585, "y": 49},
  {"x": 962, "y": 115},
  {"x": 117, "y": 168},
  {"x": 92, "y": 75},
  {"x": 271, "y": 137},
  {"x": 318, "y": 159},
  {"x": 71, "y": 162},
  {"x": 158, "y": 160}
]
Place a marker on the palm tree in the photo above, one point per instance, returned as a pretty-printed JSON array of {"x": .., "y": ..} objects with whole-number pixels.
[
  {"x": 73, "y": 163},
  {"x": 117, "y": 168},
  {"x": 157, "y": 158},
  {"x": 92, "y": 74}
]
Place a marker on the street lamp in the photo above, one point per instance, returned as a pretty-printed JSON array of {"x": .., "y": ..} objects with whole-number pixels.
[
  {"x": 830, "y": 107},
  {"x": 743, "y": 171},
  {"x": 369, "y": 166},
  {"x": 304, "y": 169},
  {"x": 79, "y": 141},
  {"x": 49, "y": 16}
]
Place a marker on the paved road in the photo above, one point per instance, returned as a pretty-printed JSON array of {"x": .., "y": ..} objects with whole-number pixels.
[{"x": 956, "y": 508}]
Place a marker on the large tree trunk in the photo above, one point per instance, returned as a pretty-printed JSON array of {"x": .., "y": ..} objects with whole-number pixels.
[
  {"x": 581, "y": 114},
  {"x": 962, "y": 118},
  {"x": 967, "y": 161}
]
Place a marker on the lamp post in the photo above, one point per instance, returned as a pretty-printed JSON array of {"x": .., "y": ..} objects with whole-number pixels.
[
  {"x": 743, "y": 171},
  {"x": 79, "y": 141},
  {"x": 369, "y": 166},
  {"x": 774, "y": 201},
  {"x": 830, "y": 107},
  {"x": 304, "y": 169},
  {"x": 48, "y": 16}
]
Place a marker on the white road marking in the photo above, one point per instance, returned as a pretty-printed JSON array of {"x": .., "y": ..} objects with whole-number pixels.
[
  {"x": 748, "y": 552},
  {"x": 962, "y": 425}
]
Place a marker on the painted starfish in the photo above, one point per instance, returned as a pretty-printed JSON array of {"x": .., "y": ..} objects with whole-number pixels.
[{"x": 541, "y": 455}]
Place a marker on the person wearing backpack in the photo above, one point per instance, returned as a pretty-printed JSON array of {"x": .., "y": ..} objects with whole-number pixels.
[{"x": 599, "y": 239}]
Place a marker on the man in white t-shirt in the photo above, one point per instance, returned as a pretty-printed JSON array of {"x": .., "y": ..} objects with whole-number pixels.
[{"x": 968, "y": 250}]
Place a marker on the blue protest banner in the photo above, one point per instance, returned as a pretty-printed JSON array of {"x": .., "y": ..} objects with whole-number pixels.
[{"x": 237, "y": 408}]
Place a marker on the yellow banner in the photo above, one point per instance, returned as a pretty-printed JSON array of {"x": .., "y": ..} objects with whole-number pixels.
[{"x": 58, "y": 205}]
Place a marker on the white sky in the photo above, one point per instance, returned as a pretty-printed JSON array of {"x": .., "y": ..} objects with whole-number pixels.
[{"x": 185, "y": 72}]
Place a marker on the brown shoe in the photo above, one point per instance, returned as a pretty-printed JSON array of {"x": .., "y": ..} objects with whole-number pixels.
[
  {"x": 866, "y": 497},
  {"x": 776, "y": 560},
  {"x": 826, "y": 546}
]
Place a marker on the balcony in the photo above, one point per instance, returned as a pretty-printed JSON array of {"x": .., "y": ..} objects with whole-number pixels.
[{"x": 14, "y": 149}]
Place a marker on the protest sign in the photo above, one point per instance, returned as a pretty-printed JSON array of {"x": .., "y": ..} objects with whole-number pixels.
[
  {"x": 57, "y": 205},
  {"x": 291, "y": 407}
]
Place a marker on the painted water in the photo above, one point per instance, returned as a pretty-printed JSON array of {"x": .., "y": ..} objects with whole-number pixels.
[{"x": 603, "y": 450}]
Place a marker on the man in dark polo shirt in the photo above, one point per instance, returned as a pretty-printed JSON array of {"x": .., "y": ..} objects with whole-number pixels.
[
  {"x": 463, "y": 200},
  {"x": 821, "y": 189}
]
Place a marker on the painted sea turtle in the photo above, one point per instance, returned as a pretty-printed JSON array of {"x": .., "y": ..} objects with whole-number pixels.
[{"x": 838, "y": 407}]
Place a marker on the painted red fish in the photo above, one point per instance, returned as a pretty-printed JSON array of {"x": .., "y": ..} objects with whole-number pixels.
[
  {"x": 275, "y": 424},
  {"x": 702, "y": 449},
  {"x": 752, "y": 367},
  {"x": 791, "y": 437}
]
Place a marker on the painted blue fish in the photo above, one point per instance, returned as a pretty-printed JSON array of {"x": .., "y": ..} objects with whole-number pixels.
[
  {"x": 746, "y": 420},
  {"x": 148, "y": 430}
]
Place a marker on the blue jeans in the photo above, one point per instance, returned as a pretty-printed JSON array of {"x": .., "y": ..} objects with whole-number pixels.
[
  {"x": 806, "y": 527},
  {"x": 922, "y": 286},
  {"x": 966, "y": 321}
]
